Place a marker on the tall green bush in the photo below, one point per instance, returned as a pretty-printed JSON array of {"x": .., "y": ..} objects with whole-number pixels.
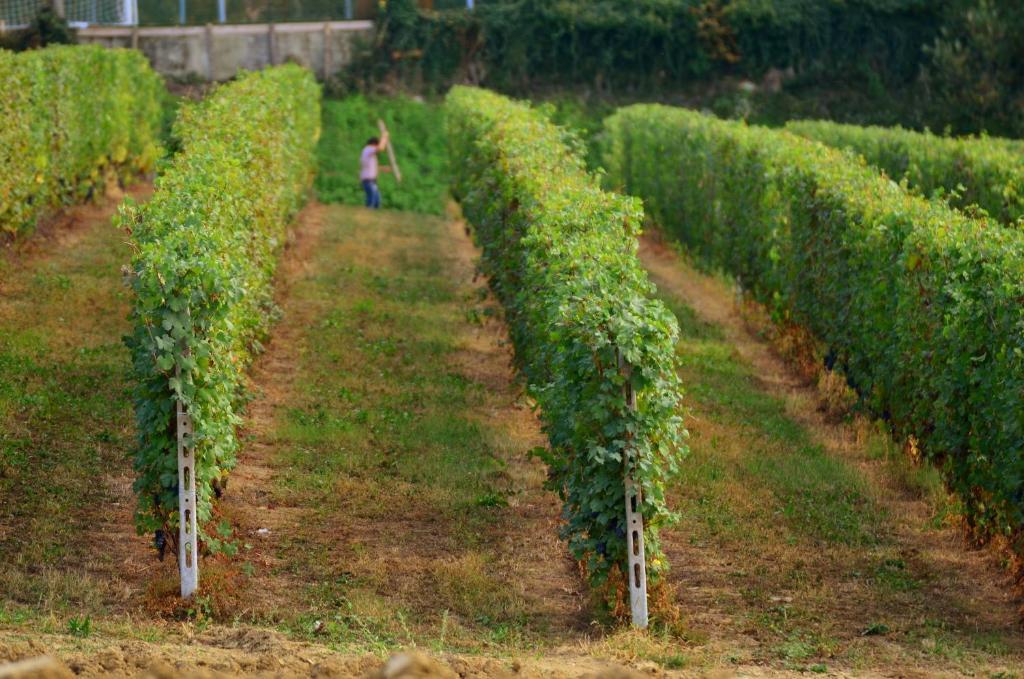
[
  {"x": 67, "y": 115},
  {"x": 969, "y": 171},
  {"x": 919, "y": 305},
  {"x": 561, "y": 256},
  {"x": 205, "y": 248}
]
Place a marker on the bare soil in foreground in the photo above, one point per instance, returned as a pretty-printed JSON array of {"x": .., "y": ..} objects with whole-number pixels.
[{"x": 385, "y": 498}]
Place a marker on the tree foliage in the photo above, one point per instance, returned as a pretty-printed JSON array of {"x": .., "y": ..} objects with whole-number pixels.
[
  {"x": 934, "y": 63},
  {"x": 976, "y": 67},
  {"x": 47, "y": 28},
  {"x": 518, "y": 44}
]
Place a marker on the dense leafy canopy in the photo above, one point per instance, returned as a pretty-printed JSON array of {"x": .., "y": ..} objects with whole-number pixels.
[
  {"x": 921, "y": 63},
  {"x": 919, "y": 304},
  {"x": 985, "y": 172},
  {"x": 513, "y": 44},
  {"x": 974, "y": 67},
  {"x": 47, "y": 28},
  {"x": 68, "y": 115},
  {"x": 206, "y": 246},
  {"x": 561, "y": 256}
]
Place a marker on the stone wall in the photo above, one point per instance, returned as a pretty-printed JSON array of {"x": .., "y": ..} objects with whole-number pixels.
[{"x": 219, "y": 51}]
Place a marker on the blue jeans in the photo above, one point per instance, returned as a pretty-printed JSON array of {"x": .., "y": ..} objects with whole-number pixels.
[{"x": 372, "y": 193}]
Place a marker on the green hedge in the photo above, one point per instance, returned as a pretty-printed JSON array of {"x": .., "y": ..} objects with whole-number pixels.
[
  {"x": 67, "y": 114},
  {"x": 969, "y": 171},
  {"x": 919, "y": 305},
  {"x": 205, "y": 248},
  {"x": 650, "y": 45},
  {"x": 561, "y": 256}
]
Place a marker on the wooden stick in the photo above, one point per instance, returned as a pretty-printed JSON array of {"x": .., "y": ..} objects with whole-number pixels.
[{"x": 391, "y": 150}]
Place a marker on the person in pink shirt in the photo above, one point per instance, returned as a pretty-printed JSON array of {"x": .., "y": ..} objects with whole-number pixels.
[{"x": 369, "y": 167}]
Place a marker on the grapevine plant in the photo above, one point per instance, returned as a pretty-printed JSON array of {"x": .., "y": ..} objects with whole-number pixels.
[
  {"x": 561, "y": 255},
  {"x": 68, "y": 115},
  {"x": 205, "y": 249},
  {"x": 918, "y": 305},
  {"x": 985, "y": 171}
]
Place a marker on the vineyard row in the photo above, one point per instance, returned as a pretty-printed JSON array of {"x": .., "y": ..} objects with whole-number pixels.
[
  {"x": 917, "y": 304},
  {"x": 68, "y": 117}
]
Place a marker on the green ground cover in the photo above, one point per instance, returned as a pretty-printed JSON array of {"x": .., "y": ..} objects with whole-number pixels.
[{"x": 418, "y": 135}]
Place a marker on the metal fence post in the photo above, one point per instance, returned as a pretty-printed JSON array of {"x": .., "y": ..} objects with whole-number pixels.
[
  {"x": 636, "y": 560},
  {"x": 188, "y": 539}
]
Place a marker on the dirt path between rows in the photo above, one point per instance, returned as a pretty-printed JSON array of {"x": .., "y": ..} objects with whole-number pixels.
[
  {"x": 508, "y": 552},
  {"x": 964, "y": 590},
  {"x": 248, "y": 506},
  {"x": 528, "y": 536},
  {"x": 524, "y": 542},
  {"x": 64, "y": 416},
  {"x": 67, "y": 227}
]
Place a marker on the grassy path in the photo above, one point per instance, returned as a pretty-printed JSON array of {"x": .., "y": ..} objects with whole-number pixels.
[
  {"x": 66, "y": 538},
  {"x": 808, "y": 545},
  {"x": 385, "y": 497},
  {"x": 386, "y": 455}
]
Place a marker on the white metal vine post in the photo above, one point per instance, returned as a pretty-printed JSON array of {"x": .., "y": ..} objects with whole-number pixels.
[
  {"x": 636, "y": 560},
  {"x": 188, "y": 540}
]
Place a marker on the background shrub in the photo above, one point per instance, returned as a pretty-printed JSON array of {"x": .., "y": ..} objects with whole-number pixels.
[
  {"x": 69, "y": 114},
  {"x": 969, "y": 171},
  {"x": 919, "y": 63},
  {"x": 517, "y": 45}
]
